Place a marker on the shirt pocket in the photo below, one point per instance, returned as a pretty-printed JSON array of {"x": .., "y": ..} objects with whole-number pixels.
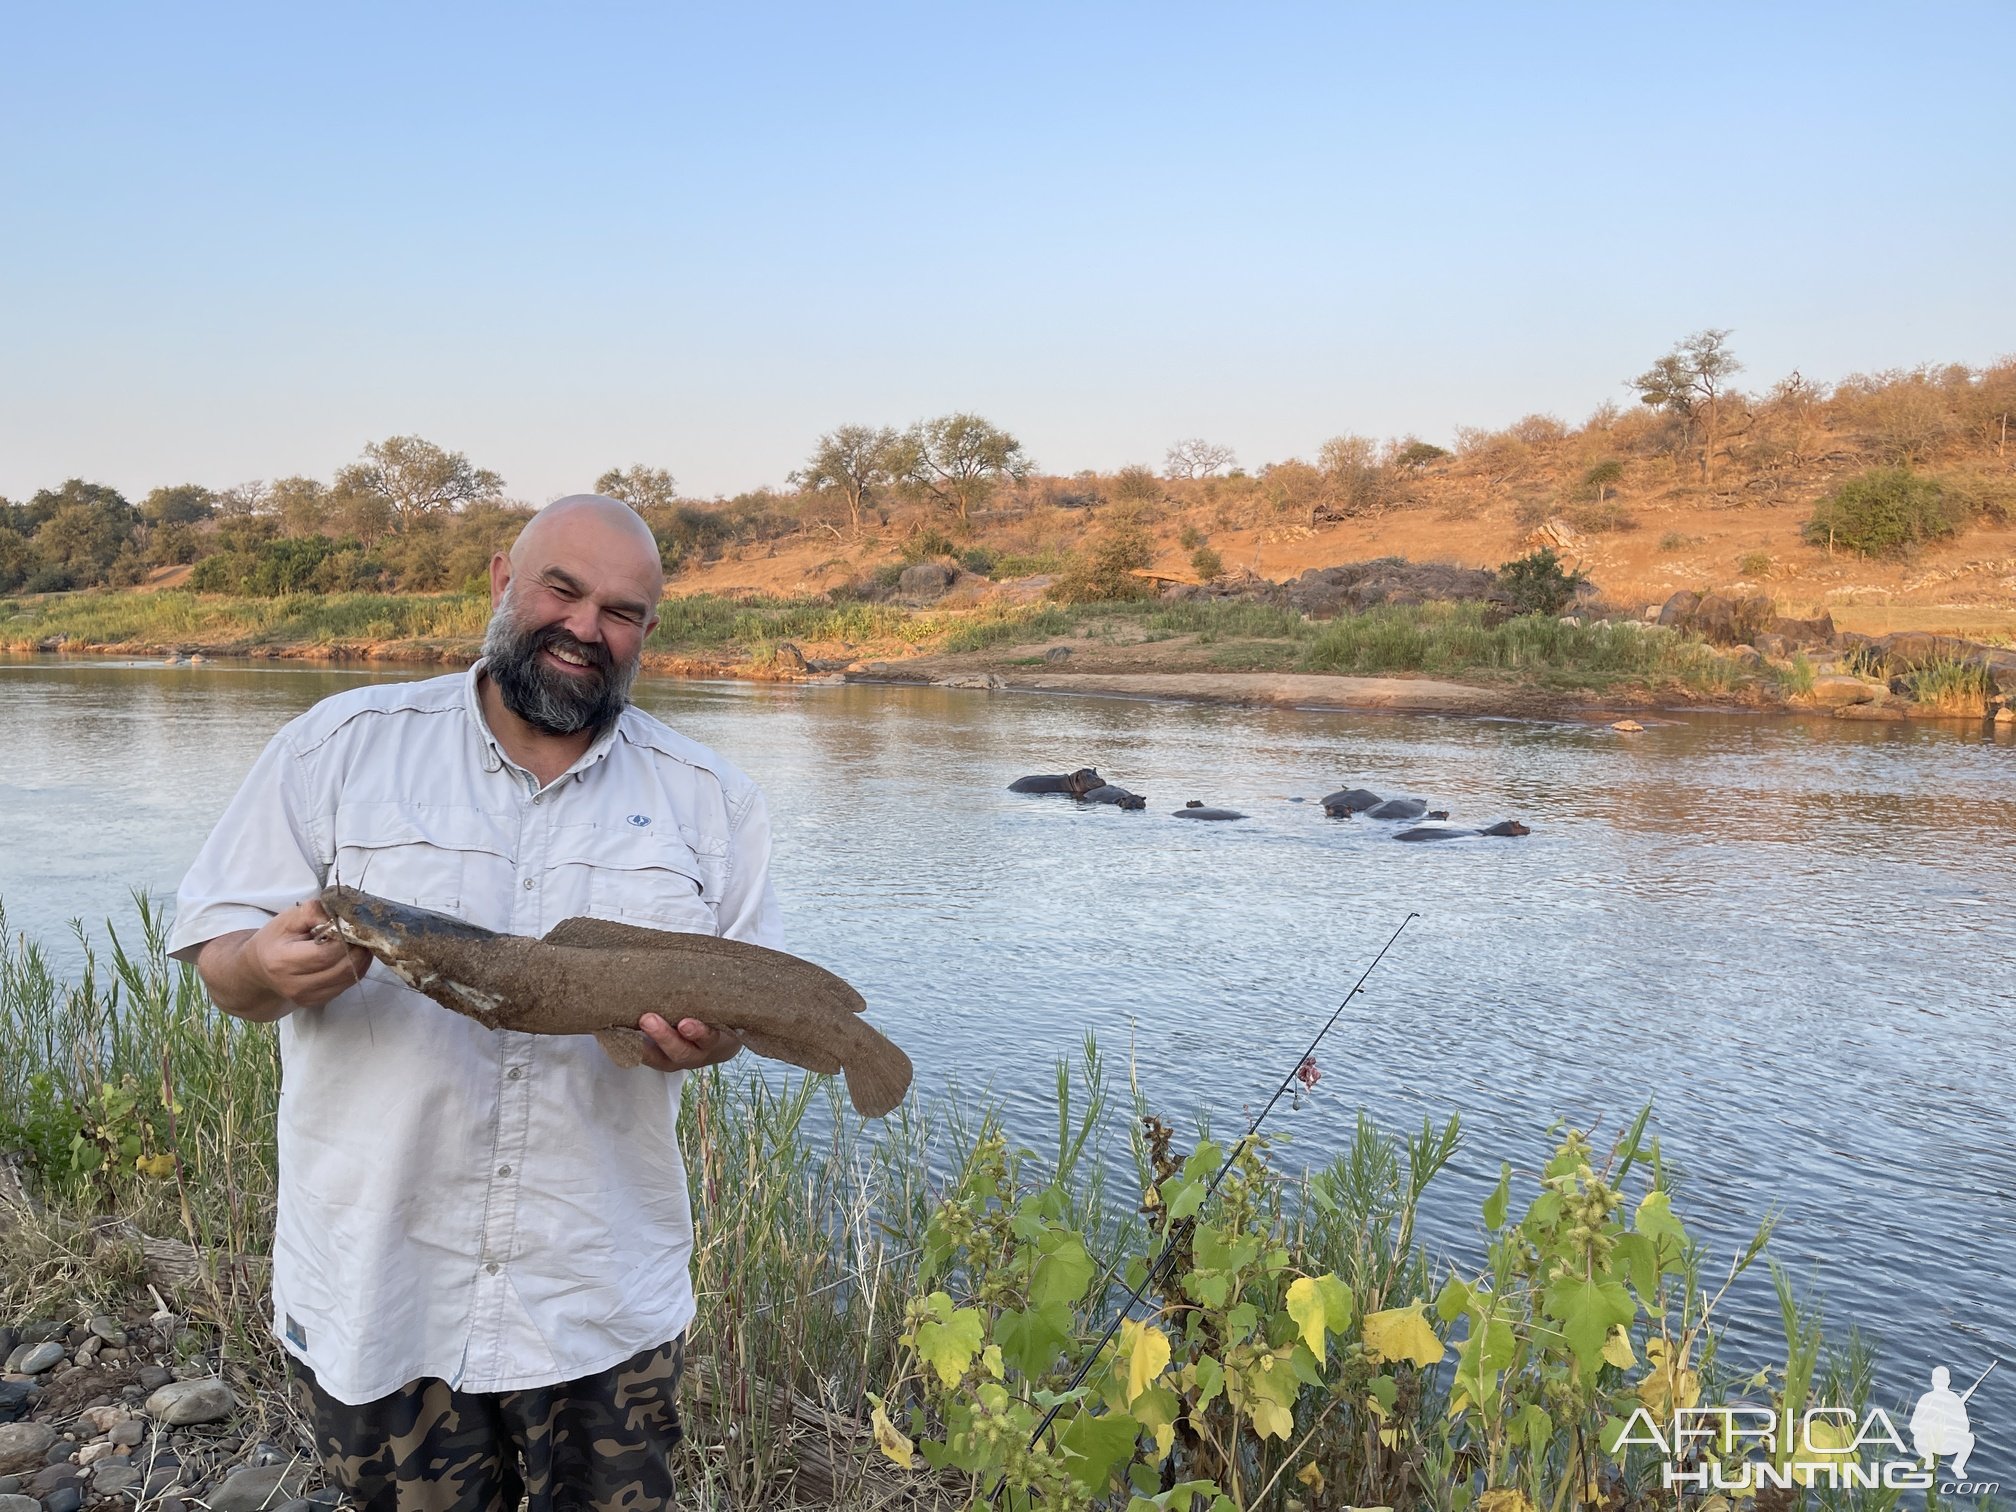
[
  {"x": 640, "y": 878},
  {"x": 431, "y": 857}
]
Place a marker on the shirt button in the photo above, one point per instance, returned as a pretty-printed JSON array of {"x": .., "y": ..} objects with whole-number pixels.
[
  {"x": 513, "y": 1074},
  {"x": 503, "y": 1170},
  {"x": 491, "y": 1267},
  {"x": 530, "y": 883},
  {"x": 539, "y": 800}
]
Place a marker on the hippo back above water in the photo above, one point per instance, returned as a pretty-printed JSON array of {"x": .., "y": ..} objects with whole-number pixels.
[
  {"x": 1119, "y": 797},
  {"x": 1077, "y": 783}
]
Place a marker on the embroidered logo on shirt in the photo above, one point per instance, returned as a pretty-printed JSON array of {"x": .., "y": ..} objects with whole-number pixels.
[{"x": 640, "y": 820}]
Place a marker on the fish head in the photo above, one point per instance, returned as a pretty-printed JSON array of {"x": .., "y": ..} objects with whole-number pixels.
[{"x": 395, "y": 933}]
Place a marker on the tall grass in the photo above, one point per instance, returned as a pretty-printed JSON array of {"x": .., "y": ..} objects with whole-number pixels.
[
  {"x": 1461, "y": 640},
  {"x": 176, "y": 617}
]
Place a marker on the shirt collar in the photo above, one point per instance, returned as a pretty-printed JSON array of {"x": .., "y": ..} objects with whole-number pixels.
[{"x": 494, "y": 757}]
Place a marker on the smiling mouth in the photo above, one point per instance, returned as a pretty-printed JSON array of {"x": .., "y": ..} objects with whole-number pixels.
[{"x": 570, "y": 659}]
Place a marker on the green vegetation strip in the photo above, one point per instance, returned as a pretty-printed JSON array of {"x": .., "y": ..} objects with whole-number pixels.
[{"x": 1304, "y": 1338}]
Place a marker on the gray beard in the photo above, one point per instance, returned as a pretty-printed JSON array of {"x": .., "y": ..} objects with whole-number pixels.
[{"x": 547, "y": 700}]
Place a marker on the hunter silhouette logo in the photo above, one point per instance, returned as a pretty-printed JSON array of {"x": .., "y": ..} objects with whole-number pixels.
[{"x": 1939, "y": 1424}]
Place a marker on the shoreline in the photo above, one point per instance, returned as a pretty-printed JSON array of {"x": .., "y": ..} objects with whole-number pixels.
[{"x": 1312, "y": 692}]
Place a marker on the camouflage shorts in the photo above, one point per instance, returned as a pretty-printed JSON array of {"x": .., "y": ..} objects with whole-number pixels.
[{"x": 599, "y": 1444}]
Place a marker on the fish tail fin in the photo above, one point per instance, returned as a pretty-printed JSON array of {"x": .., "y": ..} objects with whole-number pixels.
[
  {"x": 625, "y": 1046},
  {"x": 877, "y": 1077}
]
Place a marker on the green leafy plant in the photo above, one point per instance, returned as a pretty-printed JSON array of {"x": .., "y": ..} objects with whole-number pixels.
[
  {"x": 1206, "y": 563},
  {"x": 1539, "y": 584},
  {"x": 1886, "y": 512}
]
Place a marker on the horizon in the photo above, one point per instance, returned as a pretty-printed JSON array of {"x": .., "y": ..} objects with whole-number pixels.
[{"x": 272, "y": 239}]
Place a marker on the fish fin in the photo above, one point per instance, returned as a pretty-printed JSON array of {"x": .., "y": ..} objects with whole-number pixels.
[
  {"x": 585, "y": 933},
  {"x": 625, "y": 1046},
  {"x": 791, "y": 1052},
  {"x": 877, "y": 1080}
]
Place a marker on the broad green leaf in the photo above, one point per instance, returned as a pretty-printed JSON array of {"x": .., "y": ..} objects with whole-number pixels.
[
  {"x": 1182, "y": 1197},
  {"x": 1638, "y": 1258},
  {"x": 1096, "y": 1446},
  {"x": 1454, "y": 1300},
  {"x": 1654, "y": 1219},
  {"x": 1317, "y": 1304},
  {"x": 1494, "y": 1205},
  {"x": 948, "y": 1347},
  {"x": 1402, "y": 1333},
  {"x": 1207, "y": 1379},
  {"x": 1587, "y": 1309},
  {"x": 1145, "y": 1348},
  {"x": 1063, "y": 1269},
  {"x": 1031, "y": 1341}
]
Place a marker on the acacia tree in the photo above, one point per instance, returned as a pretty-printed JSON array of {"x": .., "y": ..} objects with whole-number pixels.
[
  {"x": 640, "y": 487},
  {"x": 1196, "y": 458},
  {"x": 855, "y": 461},
  {"x": 411, "y": 480},
  {"x": 1692, "y": 381},
  {"x": 957, "y": 459}
]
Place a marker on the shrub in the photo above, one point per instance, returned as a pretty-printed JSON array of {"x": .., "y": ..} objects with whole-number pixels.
[
  {"x": 1754, "y": 564},
  {"x": 928, "y": 544},
  {"x": 978, "y": 559},
  {"x": 1603, "y": 477},
  {"x": 1136, "y": 482},
  {"x": 1206, "y": 563},
  {"x": 1105, "y": 570},
  {"x": 1602, "y": 518},
  {"x": 1537, "y": 584},
  {"x": 1673, "y": 540},
  {"x": 1419, "y": 454},
  {"x": 1886, "y": 511},
  {"x": 1190, "y": 537}
]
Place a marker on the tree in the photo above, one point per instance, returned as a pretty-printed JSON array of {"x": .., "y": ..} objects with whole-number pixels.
[
  {"x": 640, "y": 487},
  {"x": 243, "y": 500},
  {"x": 1197, "y": 458},
  {"x": 83, "y": 527},
  {"x": 958, "y": 459},
  {"x": 855, "y": 461},
  {"x": 183, "y": 504},
  {"x": 414, "y": 479},
  {"x": 302, "y": 504},
  {"x": 1692, "y": 381}
]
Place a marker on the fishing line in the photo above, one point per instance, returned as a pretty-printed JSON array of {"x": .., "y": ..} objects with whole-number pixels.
[{"x": 1180, "y": 1231}]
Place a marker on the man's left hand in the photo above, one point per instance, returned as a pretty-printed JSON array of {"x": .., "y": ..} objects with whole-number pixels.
[{"x": 686, "y": 1046}]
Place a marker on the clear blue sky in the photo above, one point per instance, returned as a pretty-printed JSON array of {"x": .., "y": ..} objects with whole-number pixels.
[{"x": 239, "y": 243}]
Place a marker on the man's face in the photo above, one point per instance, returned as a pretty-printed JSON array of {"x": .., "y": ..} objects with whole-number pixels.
[{"x": 563, "y": 651}]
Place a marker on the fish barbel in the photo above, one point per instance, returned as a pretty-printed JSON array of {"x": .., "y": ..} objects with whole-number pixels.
[{"x": 599, "y": 977}]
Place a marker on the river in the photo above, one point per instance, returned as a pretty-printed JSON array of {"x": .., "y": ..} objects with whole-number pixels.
[{"x": 1795, "y": 937}]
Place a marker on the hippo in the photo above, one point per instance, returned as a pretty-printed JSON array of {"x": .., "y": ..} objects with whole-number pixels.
[
  {"x": 1507, "y": 827},
  {"x": 1398, "y": 808},
  {"x": 1119, "y": 797},
  {"x": 1350, "y": 801},
  {"x": 1077, "y": 783},
  {"x": 1195, "y": 809}
]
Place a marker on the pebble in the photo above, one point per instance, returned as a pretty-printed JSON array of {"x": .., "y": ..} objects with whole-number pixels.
[
  {"x": 66, "y": 1499},
  {"x": 90, "y": 1454},
  {"x": 128, "y": 1433},
  {"x": 36, "y": 1358},
  {"x": 42, "y": 1330},
  {"x": 9, "y": 1337},
  {"x": 22, "y": 1445},
  {"x": 205, "y": 1400},
  {"x": 10, "y": 1502},
  {"x": 107, "y": 1330},
  {"x": 50, "y": 1477},
  {"x": 114, "y": 1475},
  {"x": 256, "y": 1488},
  {"x": 154, "y": 1377},
  {"x": 14, "y": 1398},
  {"x": 9, "y": 1484}
]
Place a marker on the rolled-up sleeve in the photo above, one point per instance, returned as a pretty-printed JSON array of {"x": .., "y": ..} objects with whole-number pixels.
[
  {"x": 749, "y": 908},
  {"x": 261, "y": 858}
]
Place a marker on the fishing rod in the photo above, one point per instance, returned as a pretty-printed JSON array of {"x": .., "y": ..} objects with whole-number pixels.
[{"x": 1178, "y": 1232}]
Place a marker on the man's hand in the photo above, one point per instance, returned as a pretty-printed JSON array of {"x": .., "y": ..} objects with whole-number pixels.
[
  {"x": 292, "y": 961},
  {"x": 687, "y": 1047}
]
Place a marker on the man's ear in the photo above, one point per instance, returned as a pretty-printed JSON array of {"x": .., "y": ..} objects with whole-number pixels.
[{"x": 500, "y": 577}]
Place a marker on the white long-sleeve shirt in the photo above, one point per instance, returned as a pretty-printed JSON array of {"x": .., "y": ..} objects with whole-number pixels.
[{"x": 497, "y": 1210}]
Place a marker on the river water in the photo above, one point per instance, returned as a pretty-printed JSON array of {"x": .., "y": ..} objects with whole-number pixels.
[{"x": 1796, "y": 938}]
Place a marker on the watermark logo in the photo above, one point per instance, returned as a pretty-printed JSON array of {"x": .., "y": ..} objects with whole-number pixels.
[
  {"x": 1748, "y": 1449},
  {"x": 640, "y": 821}
]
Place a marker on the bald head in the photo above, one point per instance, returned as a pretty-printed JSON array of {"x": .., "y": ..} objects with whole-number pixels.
[{"x": 587, "y": 524}]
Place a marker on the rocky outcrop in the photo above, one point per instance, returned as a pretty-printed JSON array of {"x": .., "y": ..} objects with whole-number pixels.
[
  {"x": 926, "y": 580},
  {"x": 1743, "y": 620}
]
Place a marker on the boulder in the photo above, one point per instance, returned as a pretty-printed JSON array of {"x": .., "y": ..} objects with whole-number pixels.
[
  {"x": 1872, "y": 711},
  {"x": 258, "y": 1487},
  {"x": 23, "y": 1445},
  {"x": 180, "y": 1403},
  {"x": 1838, "y": 690},
  {"x": 1817, "y": 631},
  {"x": 1678, "y": 610},
  {"x": 1772, "y": 645},
  {"x": 36, "y": 1358},
  {"x": 926, "y": 580}
]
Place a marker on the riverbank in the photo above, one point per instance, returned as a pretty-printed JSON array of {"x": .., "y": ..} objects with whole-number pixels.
[{"x": 1430, "y": 657}]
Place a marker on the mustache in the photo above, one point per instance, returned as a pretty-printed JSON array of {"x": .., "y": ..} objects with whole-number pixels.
[{"x": 559, "y": 638}]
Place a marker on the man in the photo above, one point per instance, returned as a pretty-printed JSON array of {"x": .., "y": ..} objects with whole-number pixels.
[{"x": 481, "y": 1256}]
